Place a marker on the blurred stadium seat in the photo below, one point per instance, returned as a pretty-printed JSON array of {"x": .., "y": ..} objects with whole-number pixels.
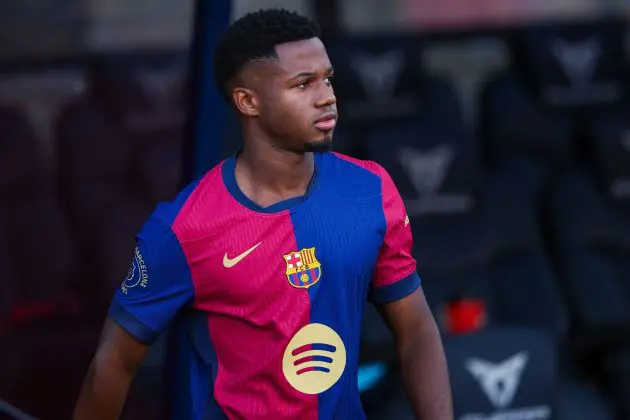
[
  {"x": 120, "y": 154},
  {"x": 591, "y": 214},
  {"x": 503, "y": 373},
  {"x": 530, "y": 114},
  {"x": 40, "y": 93},
  {"x": 93, "y": 163},
  {"x": 40, "y": 246},
  {"x": 521, "y": 136},
  {"x": 475, "y": 233},
  {"x": 377, "y": 79},
  {"x": 110, "y": 146},
  {"x": 573, "y": 66},
  {"x": 43, "y": 314},
  {"x": 145, "y": 99}
]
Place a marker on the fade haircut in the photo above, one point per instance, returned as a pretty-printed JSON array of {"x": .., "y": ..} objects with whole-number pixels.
[{"x": 254, "y": 37}]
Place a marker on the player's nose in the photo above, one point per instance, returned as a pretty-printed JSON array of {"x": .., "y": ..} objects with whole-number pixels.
[{"x": 327, "y": 98}]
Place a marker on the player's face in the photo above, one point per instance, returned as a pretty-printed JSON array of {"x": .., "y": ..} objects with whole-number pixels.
[{"x": 297, "y": 105}]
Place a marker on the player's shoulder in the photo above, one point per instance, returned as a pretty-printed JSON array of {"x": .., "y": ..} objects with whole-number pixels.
[
  {"x": 349, "y": 164},
  {"x": 360, "y": 172},
  {"x": 357, "y": 178},
  {"x": 194, "y": 200}
]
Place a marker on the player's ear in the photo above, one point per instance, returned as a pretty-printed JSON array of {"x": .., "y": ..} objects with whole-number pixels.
[{"x": 245, "y": 101}]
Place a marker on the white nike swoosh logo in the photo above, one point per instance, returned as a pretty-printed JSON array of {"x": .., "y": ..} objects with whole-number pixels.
[{"x": 231, "y": 262}]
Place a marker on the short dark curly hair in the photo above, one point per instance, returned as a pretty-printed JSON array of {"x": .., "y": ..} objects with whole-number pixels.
[{"x": 254, "y": 37}]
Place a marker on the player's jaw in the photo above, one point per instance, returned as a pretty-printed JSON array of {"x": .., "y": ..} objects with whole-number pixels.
[{"x": 321, "y": 145}]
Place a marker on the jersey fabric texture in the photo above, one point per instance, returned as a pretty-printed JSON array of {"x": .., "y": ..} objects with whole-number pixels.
[{"x": 269, "y": 301}]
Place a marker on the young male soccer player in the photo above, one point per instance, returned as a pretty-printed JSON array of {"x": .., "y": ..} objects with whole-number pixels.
[{"x": 268, "y": 260}]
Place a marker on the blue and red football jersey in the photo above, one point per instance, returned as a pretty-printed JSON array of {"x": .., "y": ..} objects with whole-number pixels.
[{"x": 270, "y": 299}]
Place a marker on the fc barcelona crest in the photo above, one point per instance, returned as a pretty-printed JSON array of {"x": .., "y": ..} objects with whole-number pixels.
[{"x": 303, "y": 269}]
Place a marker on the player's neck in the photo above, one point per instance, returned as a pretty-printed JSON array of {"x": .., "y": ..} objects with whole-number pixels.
[{"x": 267, "y": 175}]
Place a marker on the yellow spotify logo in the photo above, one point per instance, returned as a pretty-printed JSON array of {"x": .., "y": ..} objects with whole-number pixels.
[{"x": 315, "y": 359}]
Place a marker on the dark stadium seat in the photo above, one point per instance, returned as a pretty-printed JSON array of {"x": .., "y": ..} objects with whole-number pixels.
[
  {"x": 49, "y": 363},
  {"x": 120, "y": 154},
  {"x": 532, "y": 117},
  {"x": 377, "y": 144},
  {"x": 591, "y": 215},
  {"x": 18, "y": 143},
  {"x": 34, "y": 226},
  {"x": 8, "y": 298},
  {"x": 43, "y": 332},
  {"x": 475, "y": 234},
  {"x": 118, "y": 147},
  {"x": 518, "y": 373},
  {"x": 494, "y": 374},
  {"x": 144, "y": 98},
  {"x": 574, "y": 65},
  {"x": 609, "y": 141},
  {"x": 503, "y": 373},
  {"x": 579, "y": 396},
  {"x": 476, "y": 237},
  {"x": 42, "y": 246},
  {"x": 94, "y": 161},
  {"x": 522, "y": 136},
  {"x": 10, "y": 282},
  {"x": 40, "y": 93},
  {"x": 592, "y": 225},
  {"x": 377, "y": 78}
]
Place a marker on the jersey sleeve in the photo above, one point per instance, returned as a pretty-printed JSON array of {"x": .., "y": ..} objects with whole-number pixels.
[
  {"x": 157, "y": 286},
  {"x": 395, "y": 276}
]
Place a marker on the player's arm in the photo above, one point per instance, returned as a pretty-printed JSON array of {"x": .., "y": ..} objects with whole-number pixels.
[
  {"x": 397, "y": 293},
  {"x": 421, "y": 356},
  {"x": 114, "y": 366},
  {"x": 156, "y": 288}
]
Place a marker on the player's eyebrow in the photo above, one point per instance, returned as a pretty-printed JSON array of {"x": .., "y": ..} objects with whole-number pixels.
[
  {"x": 304, "y": 74},
  {"x": 307, "y": 74}
]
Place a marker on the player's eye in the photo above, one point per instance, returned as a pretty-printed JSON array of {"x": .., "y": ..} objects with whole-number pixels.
[
  {"x": 303, "y": 85},
  {"x": 328, "y": 80}
]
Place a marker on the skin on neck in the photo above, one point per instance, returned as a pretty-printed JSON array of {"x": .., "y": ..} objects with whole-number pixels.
[{"x": 267, "y": 174}]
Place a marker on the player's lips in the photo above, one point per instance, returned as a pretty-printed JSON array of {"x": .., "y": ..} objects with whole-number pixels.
[{"x": 327, "y": 121}]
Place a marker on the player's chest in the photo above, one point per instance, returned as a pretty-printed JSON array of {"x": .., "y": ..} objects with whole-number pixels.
[{"x": 255, "y": 262}]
